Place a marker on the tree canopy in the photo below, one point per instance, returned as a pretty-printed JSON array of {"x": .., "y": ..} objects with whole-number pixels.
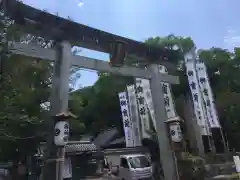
[{"x": 25, "y": 84}]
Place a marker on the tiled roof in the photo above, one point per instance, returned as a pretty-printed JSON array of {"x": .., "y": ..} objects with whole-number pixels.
[
  {"x": 105, "y": 137},
  {"x": 117, "y": 141},
  {"x": 86, "y": 138},
  {"x": 80, "y": 147}
]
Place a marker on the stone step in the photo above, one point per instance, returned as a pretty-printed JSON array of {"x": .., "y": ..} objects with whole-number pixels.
[
  {"x": 219, "y": 158},
  {"x": 213, "y": 170},
  {"x": 234, "y": 176}
]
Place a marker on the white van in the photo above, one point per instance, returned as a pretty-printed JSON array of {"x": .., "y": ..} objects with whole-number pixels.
[{"x": 135, "y": 167}]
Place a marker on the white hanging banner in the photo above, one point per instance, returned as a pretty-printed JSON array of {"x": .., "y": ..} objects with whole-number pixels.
[
  {"x": 168, "y": 99},
  {"x": 196, "y": 96},
  {"x": 67, "y": 171},
  {"x": 207, "y": 95},
  {"x": 143, "y": 110},
  {"x": 236, "y": 160},
  {"x": 133, "y": 108},
  {"x": 148, "y": 98},
  {"x": 127, "y": 125},
  {"x": 175, "y": 128}
]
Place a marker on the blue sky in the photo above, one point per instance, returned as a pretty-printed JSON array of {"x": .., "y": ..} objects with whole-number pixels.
[{"x": 208, "y": 22}]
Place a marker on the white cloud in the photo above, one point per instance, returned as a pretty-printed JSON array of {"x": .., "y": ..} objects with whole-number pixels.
[
  {"x": 79, "y": 3},
  {"x": 232, "y": 39}
]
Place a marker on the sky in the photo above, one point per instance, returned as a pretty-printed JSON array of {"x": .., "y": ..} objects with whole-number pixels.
[{"x": 208, "y": 22}]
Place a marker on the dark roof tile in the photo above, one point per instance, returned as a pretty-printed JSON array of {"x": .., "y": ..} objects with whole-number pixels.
[
  {"x": 105, "y": 137},
  {"x": 81, "y": 147}
]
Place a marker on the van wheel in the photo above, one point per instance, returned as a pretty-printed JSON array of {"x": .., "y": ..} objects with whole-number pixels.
[{"x": 123, "y": 179}]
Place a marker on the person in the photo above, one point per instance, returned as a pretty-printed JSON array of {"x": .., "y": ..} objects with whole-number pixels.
[{"x": 106, "y": 165}]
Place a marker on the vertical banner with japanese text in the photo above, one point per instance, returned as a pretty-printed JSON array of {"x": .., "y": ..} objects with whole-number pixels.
[
  {"x": 143, "y": 110},
  {"x": 148, "y": 98},
  {"x": 168, "y": 99},
  {"x": 134, "y": 115},
  {"x": 174, "y": 127},
  {"x": 196, "y": 95},
  {"x": 127, "y": 125},
  {"x": 207, "y": 95}
]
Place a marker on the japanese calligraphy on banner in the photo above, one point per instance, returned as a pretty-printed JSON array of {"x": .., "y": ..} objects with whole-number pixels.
[
  {"x": 207, "y": 95},
  {"x": 143, "y": 109},
  {"x": 168, "y": 99},
  {"x": 196, "y": 96},
  {"x": 144, "y": 83},
  {"x": 175, "y": 132},
  {"x": 127, "y": 124},
  {"x": 133, "y": 108}
]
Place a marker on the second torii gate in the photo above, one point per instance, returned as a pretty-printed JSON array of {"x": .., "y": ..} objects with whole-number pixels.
[
  {"x": 63, "y": 59},
  {"x": 63, "y": 63}
]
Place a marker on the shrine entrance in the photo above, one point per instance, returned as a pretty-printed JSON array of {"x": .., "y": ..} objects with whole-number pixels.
[{"x": 66, "y": 34}]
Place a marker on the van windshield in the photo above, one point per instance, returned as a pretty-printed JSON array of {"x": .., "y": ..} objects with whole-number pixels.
[{"x": 139, "y": 162}]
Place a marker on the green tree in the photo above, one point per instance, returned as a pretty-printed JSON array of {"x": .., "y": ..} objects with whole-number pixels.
[
  {"x": 223, "y": 72},
  {"x": 25, "y": 83},
  {"x": 98, "y": 106}
]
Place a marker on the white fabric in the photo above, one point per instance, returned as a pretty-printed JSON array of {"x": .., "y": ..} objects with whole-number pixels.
[
  {"x": 208, "y": 95},
  {"x": 127, "y": 123},
  {"x": 143, "y": 109},
  {"x": 67, "y": 172},
  {"x": 134, "y": 115},
  {"x": 148, "y": 98},
  {"x": 196, "y": 96},
  {"x": 237, "y": 163},
  {"x": 170, "y": 107}
]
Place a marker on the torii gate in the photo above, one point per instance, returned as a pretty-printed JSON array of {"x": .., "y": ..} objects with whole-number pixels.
[{"x": 70, "y": 33}]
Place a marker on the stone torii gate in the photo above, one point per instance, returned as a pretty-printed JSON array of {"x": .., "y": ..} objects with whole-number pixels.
[{"x": 67, "y": 34}]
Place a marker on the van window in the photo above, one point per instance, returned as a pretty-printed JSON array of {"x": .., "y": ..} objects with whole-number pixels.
[
  {"x": 124, "y": 163},
  {"x": 139, "y": 162}
]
